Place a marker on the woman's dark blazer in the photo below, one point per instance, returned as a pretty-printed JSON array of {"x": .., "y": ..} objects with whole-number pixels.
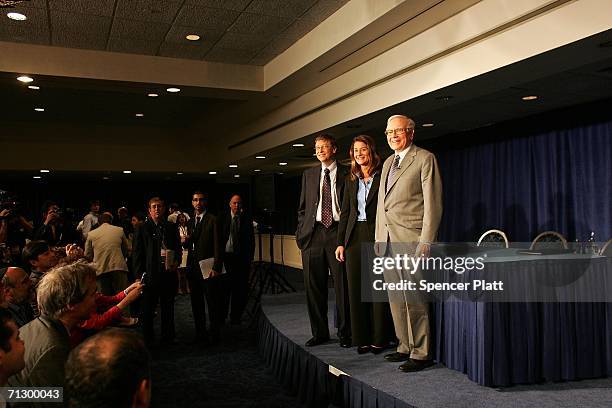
[{"x": 348, "y": 213}]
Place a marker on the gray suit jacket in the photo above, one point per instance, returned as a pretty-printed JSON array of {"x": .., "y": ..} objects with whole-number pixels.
[{"x": 412, "y": 209}]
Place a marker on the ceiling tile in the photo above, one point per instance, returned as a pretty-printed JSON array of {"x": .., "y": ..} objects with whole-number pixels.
[
  {"x": 183, "y": 51},
  {"x": 133, "y": 46},
  {"x": 141, "y": 30},
  {"x": 35, "y": 29},
  {"x": 177, "y": 35},
  {"x": 79, "y": 30},
  {"x": 205, "y": 17},
  {"x": 230, "y": 56},
  {"x": 98, "y": 7},
  {"x": 278, "y": 45},
  {"x": 259, "y": 24},
  {"x": 237, "y": 5},
  {"x": 148, "y": 10},
  {"x": 280, "y": 8},
  {"x": 237, "y": 41},
  {"x": 323, "y": 9},
  {"x": 300, "y": 28}
]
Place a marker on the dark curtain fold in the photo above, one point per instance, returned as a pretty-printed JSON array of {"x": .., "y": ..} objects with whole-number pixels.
[{"x": 556, "y": 180}]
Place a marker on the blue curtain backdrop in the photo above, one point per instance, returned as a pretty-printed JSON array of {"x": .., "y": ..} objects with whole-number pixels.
[{"x": 553, "y": 180}]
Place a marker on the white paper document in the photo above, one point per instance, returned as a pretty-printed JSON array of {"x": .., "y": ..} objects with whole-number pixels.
[{"x": 206, "y": 266}]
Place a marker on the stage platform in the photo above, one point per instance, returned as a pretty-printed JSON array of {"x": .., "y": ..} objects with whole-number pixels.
[{"x": 328, "y": 374}]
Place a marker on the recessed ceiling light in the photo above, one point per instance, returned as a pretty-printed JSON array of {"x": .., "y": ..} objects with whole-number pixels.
[
  {"x": 257, "y": 170},
  {"x": 179, "y": 173},
  {"x": 233, "y": 166},
  {"x": 529, "y": 97},
  {"x": 39, "y": 109},
  {"x": 36, "y": 177},
  {"x": 16, "y": 16},
  {"x": 34, "y": 87},
  {"x": 282, "y": 163},
  {"x": 236, "y": 175},
  {"x": 260, "y": 157},
  {"x": 212, "y": 173},
  {"x": 298, "y": 145},
  {"x": 105, "y": 178},
  {"x": 427, "y": 124},
  {"x": 152, "y": 95},
  {"x": 192, "y": 37},
  {"x": 139, "y": 115},
  {"x": 280, "y": 172},
  {"x": 25, "y": 79},
  {"x": 127, "y": 171},
  {"x": 173, "y": 90},
  {"x": 44, "y": 171}
]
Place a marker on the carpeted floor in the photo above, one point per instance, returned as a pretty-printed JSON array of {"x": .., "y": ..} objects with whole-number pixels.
[{"x": 231, "y": 374}]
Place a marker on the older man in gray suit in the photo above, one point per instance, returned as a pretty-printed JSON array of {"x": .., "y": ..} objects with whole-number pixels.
[{"x": 409, "y": 212}]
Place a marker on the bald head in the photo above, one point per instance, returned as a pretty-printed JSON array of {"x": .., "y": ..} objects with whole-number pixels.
[
  {"x": 235, "y": 204},
  {"x": 111, "y": 368},
  {"x": 16, "y": 285}
]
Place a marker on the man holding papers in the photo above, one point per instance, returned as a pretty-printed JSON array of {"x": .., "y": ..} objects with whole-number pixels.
[{"x": 205, "y": 277}]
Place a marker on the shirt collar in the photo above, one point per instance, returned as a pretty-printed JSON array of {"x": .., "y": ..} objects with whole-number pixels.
[
  {"x": 403, "y": 153},
  {"x": 331, "y": 167}
]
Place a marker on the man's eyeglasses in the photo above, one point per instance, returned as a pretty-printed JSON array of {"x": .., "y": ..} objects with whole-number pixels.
[
  {"x": 398, "y": 131},
  {"x": 322, "y": 147}
]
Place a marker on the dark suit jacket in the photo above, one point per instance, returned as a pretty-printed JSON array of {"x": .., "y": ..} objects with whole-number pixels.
[
  {"x": 147, "y": 247},
  {"x": 204, "y": 241},
  {"x": 348, "y": 216},
  {"x": 246, "y": 235},
  {"x": 309, "y": 201}
]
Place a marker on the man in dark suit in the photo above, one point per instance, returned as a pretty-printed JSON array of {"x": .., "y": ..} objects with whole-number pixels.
[
  {"x": 316, "y": 236},
  {"x": 203, "y": 243},
  {"x": 157, "y": 251},
  {"x": 238, "y": 241}
]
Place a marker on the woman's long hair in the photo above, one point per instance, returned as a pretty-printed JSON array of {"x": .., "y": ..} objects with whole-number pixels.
[{"x": 375, "y": 162}]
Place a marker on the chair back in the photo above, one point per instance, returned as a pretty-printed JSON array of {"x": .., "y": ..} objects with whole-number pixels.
[
  {"x": 549, "y": 239},
  {"x": 493, "y": 238}
]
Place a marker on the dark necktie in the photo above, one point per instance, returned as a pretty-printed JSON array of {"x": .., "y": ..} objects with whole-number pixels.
[
  {"x": 197, "y": 222},
  {"x": 234, "y": 226},
  {"x": 327, "y": 215},
  {"x": 392, "y": 171}
]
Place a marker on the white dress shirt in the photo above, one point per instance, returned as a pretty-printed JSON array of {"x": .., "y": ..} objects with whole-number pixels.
[{"x": 333, "y": 171}]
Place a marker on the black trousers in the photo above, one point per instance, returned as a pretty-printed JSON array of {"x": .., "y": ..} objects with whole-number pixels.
[
  {"x": 214, "y": 289},
  {"x": 238, "y": 271},
  {"x": 160, "y": 289},
  {"x": 318, "y": 259},
  {"x": 371, "y": 323}
]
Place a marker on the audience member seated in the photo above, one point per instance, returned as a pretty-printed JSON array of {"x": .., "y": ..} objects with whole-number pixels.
[
  {"x": 110, "y": 369},
  {"x": 17, "y": 291},
  {"x": 109, "y": 311},
  {"x": 11, "y": 348},
  {"x": 66, "y": 296}
]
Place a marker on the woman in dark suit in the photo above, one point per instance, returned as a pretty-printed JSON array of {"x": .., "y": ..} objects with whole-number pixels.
[{"x": 371, "y": 323}]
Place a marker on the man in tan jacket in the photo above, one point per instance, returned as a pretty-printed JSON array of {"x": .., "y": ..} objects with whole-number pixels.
[
  {"x": 107, "y": 247},
  {"x": 409, "y": 212}
]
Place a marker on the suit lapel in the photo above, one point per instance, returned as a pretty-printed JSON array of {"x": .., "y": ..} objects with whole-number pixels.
[
  {"x": 373, "y": 190},
  {"x": 408, "y": 160}
]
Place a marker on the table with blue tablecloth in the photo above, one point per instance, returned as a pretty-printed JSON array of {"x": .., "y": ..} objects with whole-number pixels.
[{"x": 505, "y": 343}]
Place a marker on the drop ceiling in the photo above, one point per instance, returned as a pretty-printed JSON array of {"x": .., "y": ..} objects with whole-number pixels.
[{"x": 232, "y": 31}]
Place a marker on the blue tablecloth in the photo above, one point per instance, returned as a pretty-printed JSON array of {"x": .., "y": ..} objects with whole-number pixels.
[{"x": 501, "y": 344}]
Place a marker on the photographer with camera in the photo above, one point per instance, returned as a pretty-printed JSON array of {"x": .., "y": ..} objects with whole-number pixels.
[
  {"x": 14, "y": 229},
  {"x": 52, "y": 228}
]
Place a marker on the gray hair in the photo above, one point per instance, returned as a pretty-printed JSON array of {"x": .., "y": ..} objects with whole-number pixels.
[
  {"x": 63, "y": 286},
  {"x": 411, "y": 123}
]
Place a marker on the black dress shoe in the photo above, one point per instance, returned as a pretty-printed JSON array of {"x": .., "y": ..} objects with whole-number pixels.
[
  {"x": 346, "y": 342},
  {"x": 413, "y": 365},
  {"x": 377, "y": 349},
  {"x": 363, "y": 349},
  {"x": 315, "y": 341},
  {"x": 397, "y": 357}
]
